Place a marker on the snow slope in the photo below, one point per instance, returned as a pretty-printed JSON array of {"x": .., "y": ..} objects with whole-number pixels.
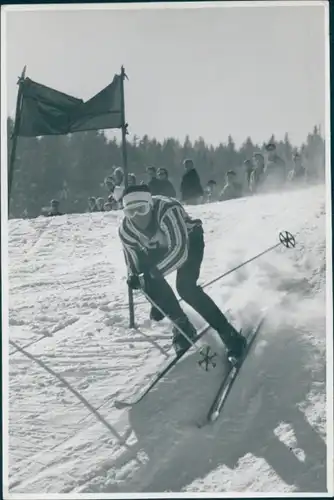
[{"x": 68, "y": 306}]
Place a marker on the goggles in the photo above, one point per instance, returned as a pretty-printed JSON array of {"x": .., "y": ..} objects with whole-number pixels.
[{"x": 141, "y": 208}]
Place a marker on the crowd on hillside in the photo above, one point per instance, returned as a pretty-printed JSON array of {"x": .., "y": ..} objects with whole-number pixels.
[{"x": 259, "y": 174}]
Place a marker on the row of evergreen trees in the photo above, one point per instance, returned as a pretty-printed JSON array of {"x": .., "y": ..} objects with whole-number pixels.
[{"x": 72, "y": 168}]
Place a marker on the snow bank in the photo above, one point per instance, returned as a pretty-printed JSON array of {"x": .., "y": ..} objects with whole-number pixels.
[{"x": 68, "y": 305}]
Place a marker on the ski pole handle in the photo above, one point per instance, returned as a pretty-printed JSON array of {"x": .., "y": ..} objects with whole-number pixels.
[{"x": 141, "y": 278}]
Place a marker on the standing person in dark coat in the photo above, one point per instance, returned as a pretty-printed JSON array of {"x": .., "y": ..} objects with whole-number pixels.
[
  {"x": 191, "y": 188},
  {"x": 166, "y": 187},
  {"x": 153, "y": 183}
]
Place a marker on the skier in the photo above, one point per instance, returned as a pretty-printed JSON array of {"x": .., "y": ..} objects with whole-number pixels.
[{"x": 158, "y": 237}]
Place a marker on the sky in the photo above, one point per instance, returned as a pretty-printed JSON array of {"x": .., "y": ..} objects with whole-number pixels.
[{"x": 209, "y": 71}]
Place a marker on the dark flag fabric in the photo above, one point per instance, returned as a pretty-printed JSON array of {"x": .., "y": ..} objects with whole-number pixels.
[
  {"x": 102, "y": 111},
  {"x": 45, "y": 111}
]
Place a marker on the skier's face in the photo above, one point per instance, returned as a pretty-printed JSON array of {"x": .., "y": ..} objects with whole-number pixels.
[
  {"x": 140, "y": 215},
  {"x": 142, "y": 221}
]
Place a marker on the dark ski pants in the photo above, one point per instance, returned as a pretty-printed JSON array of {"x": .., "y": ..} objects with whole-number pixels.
[{"x": 162, "y": 294}]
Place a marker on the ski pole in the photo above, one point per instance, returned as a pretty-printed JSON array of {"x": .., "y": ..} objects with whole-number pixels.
[
  {"x": 285, "y": 238},
  {"x": 207, "y": 355}
]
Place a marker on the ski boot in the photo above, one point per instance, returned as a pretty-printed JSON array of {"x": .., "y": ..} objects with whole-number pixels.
[
  {"x": 235, "y": 344},
  {"x": 180, "y": 343},
  {"x": 155, "y": 314}
]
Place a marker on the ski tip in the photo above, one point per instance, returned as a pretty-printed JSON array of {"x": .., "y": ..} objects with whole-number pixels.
[{"x": 214, "y": 416}]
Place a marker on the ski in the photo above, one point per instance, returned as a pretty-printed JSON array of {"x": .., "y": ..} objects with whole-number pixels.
[
  {"x": 136, "y": 398},
  {"x": 229, "y": 378}
]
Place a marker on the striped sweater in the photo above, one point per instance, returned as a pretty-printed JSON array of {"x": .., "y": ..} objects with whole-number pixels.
[{"x": 164, "y": 243}]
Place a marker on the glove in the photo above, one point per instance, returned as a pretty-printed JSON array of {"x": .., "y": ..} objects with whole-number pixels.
[
  {"x": 133, "y": 282},
  {"x": 153, "y": 273}
]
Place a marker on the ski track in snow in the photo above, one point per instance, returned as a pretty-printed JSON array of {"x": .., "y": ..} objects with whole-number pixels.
[{"x": 68, "y": 304}]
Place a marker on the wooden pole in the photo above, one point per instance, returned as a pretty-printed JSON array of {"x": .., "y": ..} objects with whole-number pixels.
[
  {"x": 125, "y": 169},
  {"x": 15, "y": 134}
]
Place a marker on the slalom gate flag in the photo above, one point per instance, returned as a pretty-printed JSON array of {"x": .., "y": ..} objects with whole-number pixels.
[{"x": 46, "y": 111}]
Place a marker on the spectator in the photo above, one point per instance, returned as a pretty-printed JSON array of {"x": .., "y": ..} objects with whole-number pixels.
[
  {"x": 298, "y": 174},
  {"x": 275, "y": 173},
  {"x": 211, "y": 192},
  {"x": 118, "y": 177},
  {"x": 113, "y": 202},
  {"x": 132, "y": 181},
  {"x": 248, "y": 169},
  {"x": 100, "y": 204},
  {"x": 258, "y": 174},
  {"x": 108, "y": 206},
  {"x": 92, "y": 204},
  {"x": 232, "y": 188},
  {"x": 109, "y": 182},
  {"x": 153, "y": 183},
  {"x": 54, "y": 209},
  {"x": 191, "y": 188},
  {"x": 166, "y": 188}
]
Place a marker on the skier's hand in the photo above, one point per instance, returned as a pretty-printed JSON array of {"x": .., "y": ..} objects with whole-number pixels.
[
  {"x": 136, "y": 282},
  {"x": 133, "y": 282}
]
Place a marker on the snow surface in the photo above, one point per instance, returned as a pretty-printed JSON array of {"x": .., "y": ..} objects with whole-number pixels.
[{"x": 68, "y": 306}]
